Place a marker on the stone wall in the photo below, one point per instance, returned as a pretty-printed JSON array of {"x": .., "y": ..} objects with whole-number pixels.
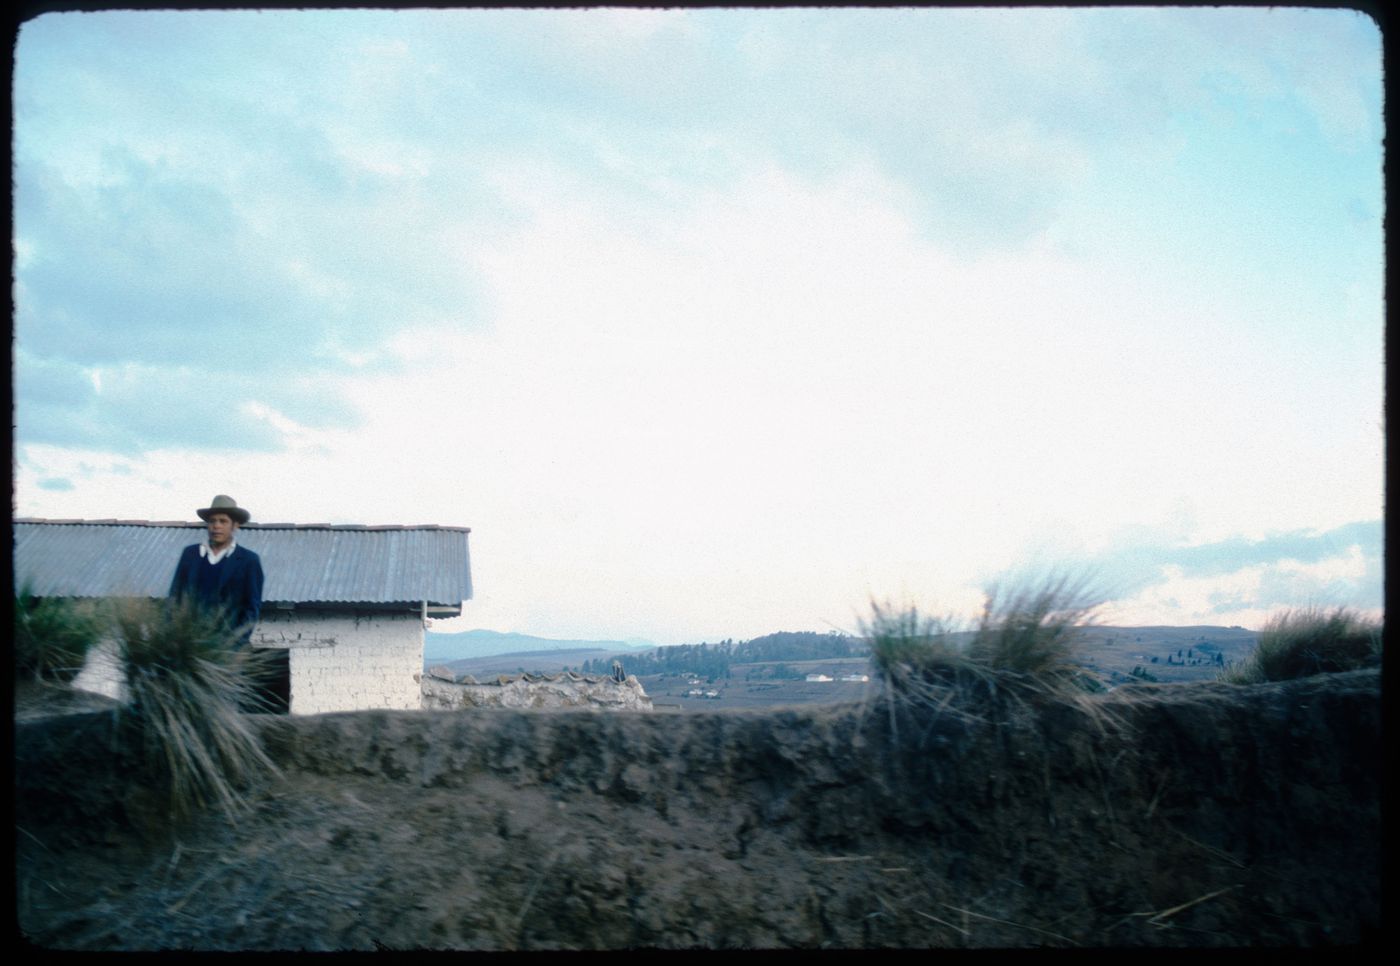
[
  {"x": 1184, "y": 815},
  {"x": 344, "y": 662},
  {"x": 444, "y": 692}
]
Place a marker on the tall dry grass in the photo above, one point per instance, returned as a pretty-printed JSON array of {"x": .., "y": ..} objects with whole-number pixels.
[
  {"x": 1032, "y": 632},
  {"x": 190, "y": 688},
  {"x": 1019, "y": 651},
  {"x": 1301, "y": 643}
]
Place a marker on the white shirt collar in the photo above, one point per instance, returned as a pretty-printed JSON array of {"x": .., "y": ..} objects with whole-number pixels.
[{"x": 214, "y": 557}]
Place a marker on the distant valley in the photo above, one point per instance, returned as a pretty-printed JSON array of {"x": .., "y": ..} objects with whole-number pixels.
[{"x": 773, "y": 670}]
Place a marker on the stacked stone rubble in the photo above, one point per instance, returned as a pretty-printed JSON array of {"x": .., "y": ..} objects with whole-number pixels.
[{"x": 444, "y": 691}]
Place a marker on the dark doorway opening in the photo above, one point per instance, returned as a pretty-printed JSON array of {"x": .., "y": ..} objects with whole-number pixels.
[{"x": 274, "y": 680}]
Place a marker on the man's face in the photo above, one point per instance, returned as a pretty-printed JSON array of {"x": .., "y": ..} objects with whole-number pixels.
[{"x": 221, "y": 527}]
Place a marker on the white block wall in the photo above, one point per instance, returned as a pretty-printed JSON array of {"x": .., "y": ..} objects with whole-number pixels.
[
  {"x": 373, "y": 662},
  {"x": 101, "y": 673}
]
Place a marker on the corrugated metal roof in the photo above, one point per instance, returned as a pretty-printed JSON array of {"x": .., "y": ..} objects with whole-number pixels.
[{"x": 302, "y": 563}]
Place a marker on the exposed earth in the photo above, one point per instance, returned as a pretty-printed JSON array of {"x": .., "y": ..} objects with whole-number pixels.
[{"x": 1155, "y": 815}]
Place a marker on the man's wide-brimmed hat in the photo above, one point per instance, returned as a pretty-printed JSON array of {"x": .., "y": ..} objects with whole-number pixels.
[{"x": 224, "y": 504}]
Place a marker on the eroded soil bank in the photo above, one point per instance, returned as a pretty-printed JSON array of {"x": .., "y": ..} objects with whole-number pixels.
[{"x": 1182, "y": 815}]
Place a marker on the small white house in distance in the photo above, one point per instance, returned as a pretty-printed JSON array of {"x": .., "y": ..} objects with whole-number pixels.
[
  {"x": 819, "y": 677},
  {"x": 349, "y": 603}
]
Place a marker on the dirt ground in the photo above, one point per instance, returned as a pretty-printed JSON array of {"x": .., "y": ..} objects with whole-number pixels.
[{"x": 1181, "y": 815}]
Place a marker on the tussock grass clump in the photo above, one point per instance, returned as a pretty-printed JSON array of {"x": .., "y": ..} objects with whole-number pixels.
[
  {"x": 908, "y": 648},
  {"x": 1301, "y": 643},
  {"x": 1032, "y": 633},
  {"x": 1021, "y": 648},
  {"x": 189, "y": 688},
  {"x": 52, "y": 636}
]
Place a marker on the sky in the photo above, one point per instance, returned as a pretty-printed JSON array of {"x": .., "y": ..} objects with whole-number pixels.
[{"x": 714, "y": 323}]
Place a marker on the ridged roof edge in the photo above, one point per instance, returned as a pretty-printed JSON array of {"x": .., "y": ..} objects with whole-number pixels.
[{"x": 250, "y": 525}]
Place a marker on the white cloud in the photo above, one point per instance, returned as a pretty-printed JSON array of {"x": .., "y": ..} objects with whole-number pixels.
[
  {"x": 1250, "y": 595},
  {"x": 784, "y": 379},
  {"x": 603, "y": 32},
  {"x": 777, "y": 402},
  {"x": 693, "y": 378}
]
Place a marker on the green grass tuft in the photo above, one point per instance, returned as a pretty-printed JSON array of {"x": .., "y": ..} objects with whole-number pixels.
[
  {"x": 52, "y": 636},
  {"x": 1021, "y": 649},
  {"x": 1301, "y": 643},
  {"x": 908, "y": 648},
  {"x": 1033, "y": 632},
  {"x": 189, "y": 689}
]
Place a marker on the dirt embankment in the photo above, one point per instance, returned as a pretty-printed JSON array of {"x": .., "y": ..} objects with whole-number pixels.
[{"x": 1207, "y": 815}]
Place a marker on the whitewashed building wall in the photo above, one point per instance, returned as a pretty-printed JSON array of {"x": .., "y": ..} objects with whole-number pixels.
[
  {"x": 348, "y": 601},
  {"x": 347, "y": 662},
  {"x": 102, "y": 673},
  {"x": 337, "y": 662}
]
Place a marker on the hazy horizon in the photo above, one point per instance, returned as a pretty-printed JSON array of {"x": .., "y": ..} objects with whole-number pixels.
[{"x": 635, "y": 643}]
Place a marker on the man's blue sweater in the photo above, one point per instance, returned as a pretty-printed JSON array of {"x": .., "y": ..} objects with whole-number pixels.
[{"x": 234, "y": 584}]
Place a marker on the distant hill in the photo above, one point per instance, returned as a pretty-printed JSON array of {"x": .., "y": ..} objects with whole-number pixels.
[
  {"x": 1118, "y": 654},
  {"x": 535, "y": 662},
  {"x": 443, "y": 648}
]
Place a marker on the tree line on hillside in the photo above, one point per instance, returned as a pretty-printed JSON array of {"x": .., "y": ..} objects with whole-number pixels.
[{"x": 712, "y": 661}]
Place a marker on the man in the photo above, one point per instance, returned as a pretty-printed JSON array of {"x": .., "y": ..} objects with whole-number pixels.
[
  {"x": 223, "y": 576},
  {"x": 219, "y": 573}
]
